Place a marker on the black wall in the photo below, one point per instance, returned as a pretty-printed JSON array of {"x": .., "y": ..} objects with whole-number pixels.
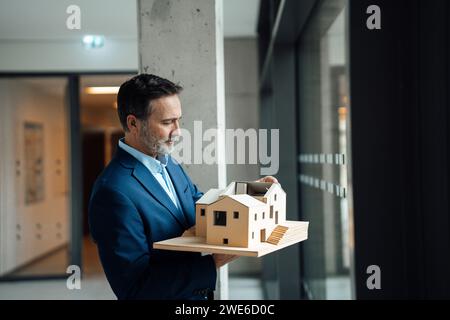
[{"x": 399, "y": 118}]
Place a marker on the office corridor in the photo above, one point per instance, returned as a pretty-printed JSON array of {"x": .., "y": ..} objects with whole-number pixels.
[{"x": 94, "y": 285}]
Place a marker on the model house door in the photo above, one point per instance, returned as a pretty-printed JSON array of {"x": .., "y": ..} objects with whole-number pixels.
[{"x": 263, "y": 235}]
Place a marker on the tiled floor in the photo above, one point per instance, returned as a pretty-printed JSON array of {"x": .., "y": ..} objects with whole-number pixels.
[
  {"x": 338, "y": 288},
  {"x": 93, "y": 284},
  {"x": 95, "y": 287},
  {"x": 91, "y": 288},
  {"x": 245, "y": 288},
  {"x": 53, "y": 263}
]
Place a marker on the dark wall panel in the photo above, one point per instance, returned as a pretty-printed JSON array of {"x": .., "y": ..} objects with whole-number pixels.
[{"x": 399, "y": 82}]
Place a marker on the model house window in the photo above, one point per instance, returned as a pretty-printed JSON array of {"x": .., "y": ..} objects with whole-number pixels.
[
  {"x": 225, "y": 241},
  {"x": 236, "y": 215},
  {"x": 271, "y": 212},
  {"x": 275, "y": 197},
  {"x": 202, "y": 212},
  {"x": 253, "y": 235},
  {"x": 256, "y": 216},
  {"x": 220, "y": 218}
]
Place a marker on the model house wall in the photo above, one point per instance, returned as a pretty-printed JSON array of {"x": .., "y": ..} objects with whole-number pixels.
[
  {"x": 235, "y": 221},
  {"x": 242, "y": 215},
  {"x": 276, "y": 199},
  {"x": 200, "y": 210},
  {"x": 227, "y": 223}
]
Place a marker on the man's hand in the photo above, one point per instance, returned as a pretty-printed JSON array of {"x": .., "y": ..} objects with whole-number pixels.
[
  {"x": 268, "y": 179},
  {"x": 222, "y": 259}
]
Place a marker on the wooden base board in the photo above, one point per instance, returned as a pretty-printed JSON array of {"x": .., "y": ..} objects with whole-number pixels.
[{"x": 198, "y": 244}]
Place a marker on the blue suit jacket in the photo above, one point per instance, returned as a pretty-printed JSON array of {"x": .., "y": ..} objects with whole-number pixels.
[{"x": 128, "y": 211}]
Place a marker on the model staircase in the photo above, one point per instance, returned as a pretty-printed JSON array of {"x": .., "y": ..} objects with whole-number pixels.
[{"x": 277, "y": 235}]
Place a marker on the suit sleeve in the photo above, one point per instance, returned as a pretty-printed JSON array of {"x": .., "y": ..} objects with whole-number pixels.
[{"x": 125, "y": 253}]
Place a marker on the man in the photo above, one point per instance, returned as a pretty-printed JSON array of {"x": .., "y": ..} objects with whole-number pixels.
[{"x": 143, "y": 196}]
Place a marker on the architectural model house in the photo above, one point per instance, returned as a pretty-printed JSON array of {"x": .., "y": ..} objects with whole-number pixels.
[
  {"x": 244, "y": 214},
  {"x": 244, "y": 219}
]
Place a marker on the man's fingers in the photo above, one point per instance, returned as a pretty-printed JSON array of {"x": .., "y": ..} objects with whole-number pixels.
[
  {"x": 268, "y": 179},
  {"x": 271, "y": 179}
]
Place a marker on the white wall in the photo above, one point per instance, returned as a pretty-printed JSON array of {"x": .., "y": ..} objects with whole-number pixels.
[{"x": 19, "y": 243}]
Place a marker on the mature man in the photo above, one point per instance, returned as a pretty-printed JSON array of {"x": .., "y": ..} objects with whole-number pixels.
[{"x": 143, "y": 196}]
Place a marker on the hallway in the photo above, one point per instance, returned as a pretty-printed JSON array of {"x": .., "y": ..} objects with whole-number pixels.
[{"x": 94, "y": 285}]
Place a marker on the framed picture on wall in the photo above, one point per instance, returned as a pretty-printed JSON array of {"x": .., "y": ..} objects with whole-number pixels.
[{"x": 34, "y": 162}]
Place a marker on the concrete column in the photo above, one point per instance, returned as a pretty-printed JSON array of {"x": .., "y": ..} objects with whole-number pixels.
[{"x": 183, "y": 41}]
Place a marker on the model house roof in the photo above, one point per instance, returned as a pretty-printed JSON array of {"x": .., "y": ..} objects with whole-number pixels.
[
  {"x": 254, "y": 189},
  {"x": 245, "y": 200},
  {"x": 244, "y": 192},
  {"x": 273, "y": 187},
  {"x": 209, "y": 197},
  {"x": 230, "y": 189},
  {"x": 258, "y": 189}
]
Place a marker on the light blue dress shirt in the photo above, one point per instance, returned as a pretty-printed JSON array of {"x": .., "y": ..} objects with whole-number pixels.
[{"x": 157, "y": 167}]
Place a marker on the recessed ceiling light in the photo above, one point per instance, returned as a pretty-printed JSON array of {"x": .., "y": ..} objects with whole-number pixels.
[
  {"x": 102, "y": 90},
  {"x": 91, "y": 41}
]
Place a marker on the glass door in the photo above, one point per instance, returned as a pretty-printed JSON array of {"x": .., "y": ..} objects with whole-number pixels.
[{"x": 324, "y": 156}]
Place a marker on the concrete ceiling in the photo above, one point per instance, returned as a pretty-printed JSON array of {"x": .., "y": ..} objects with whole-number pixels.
[
  {"x": 43, "y": 22},
  {"x": 240, "y": 18},
  {"x": 45, "y": 19}
]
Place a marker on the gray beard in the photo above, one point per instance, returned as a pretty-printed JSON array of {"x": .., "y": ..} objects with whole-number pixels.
[{"x": 155, "y": 146}]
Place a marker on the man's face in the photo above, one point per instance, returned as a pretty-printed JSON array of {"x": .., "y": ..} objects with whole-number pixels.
[{"x": 162, "y": 128}]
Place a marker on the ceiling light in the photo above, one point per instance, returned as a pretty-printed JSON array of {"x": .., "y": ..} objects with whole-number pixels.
[
  {"x": 102, "y": 90},
  {"x": 93, "y": 41}
]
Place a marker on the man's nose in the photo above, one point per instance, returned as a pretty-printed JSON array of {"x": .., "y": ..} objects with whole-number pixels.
[{"x": 176, "y": 131}]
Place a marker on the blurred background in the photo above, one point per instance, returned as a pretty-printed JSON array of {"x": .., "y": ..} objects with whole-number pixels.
[{"x": 363, "y": 129}]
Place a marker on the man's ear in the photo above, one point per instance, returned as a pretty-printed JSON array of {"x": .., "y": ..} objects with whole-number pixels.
[{"x": 132, "y": 123}]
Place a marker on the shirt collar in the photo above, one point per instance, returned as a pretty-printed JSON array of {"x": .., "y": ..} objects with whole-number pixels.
[{"x": 154, "y": 165}]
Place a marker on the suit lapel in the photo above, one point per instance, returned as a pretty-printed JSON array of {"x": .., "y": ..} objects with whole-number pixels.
[
  {"x": 180, "y": 185},
  {"x": 146, "y": 178},
  {"x": 152, "y": 185}
]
